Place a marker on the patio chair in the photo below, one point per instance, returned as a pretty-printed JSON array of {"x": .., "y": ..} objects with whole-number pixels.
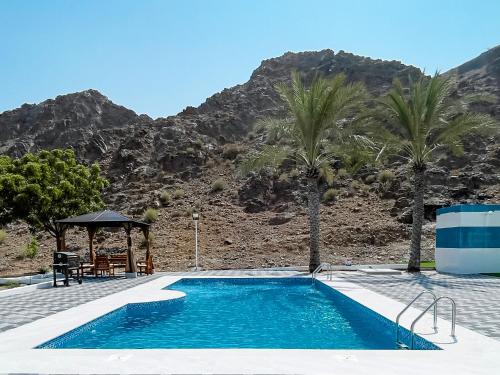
[
  {"x": 146, "y": 266},
  {"x": 102, "y": 264},
  {"x": 118, "y": 261}
]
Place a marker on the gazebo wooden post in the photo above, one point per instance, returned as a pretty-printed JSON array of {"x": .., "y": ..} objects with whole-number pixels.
[
  {"x": 131, "y": 268},
  {"x": 91, "y": 231},
  {"x": 145, "y": 231}
]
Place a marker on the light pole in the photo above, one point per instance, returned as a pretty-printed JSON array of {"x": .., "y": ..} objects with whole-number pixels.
[{"x": 196, "y": 218}]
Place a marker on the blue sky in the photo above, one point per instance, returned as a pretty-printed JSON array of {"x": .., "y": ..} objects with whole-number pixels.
[{"x": 157, "y": 57}]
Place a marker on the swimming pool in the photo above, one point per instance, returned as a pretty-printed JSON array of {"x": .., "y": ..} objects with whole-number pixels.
[{"x": 271, "y": 313}]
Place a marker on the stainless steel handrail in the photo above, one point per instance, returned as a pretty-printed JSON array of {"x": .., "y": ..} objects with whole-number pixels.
[
  {"x": 320, "y": 268},
  {"x": 453, "y": 317},
  {"x": 408, "y": 306}
]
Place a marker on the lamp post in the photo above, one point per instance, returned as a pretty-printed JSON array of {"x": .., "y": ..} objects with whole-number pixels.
[{"x": 196, "y": 218}]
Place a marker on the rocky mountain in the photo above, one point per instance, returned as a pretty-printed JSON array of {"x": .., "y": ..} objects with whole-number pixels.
[{"x": 143, "y": 157}]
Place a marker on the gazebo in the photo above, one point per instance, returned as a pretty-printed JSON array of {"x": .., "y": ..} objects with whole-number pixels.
[{"x": 108, "y": 219}]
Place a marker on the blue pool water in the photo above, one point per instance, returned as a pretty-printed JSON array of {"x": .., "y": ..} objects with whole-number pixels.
[{"x": 285, "y": 313}]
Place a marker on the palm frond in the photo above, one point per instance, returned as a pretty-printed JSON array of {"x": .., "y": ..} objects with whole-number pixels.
[{"x": 270, "y": 157}]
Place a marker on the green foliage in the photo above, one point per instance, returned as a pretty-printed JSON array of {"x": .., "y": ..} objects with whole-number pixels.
[
  {"x": 3, "y": 236},
  {"x": 165, "y": 198},
  {"x": 315, "y": 115},
  {"x": 424, "y": 118},
  {"x": 218, "y": 185},
  {"x": 330, "y": 195},
  {"x": 49, "y": 185},
  {"x": 179, "y": 194},
  {"x": 386, "y": 176},
  {"x": 150, "y": 215},
  {"x": 190, "y": 151},
  {"x": 31, "y": 249}
]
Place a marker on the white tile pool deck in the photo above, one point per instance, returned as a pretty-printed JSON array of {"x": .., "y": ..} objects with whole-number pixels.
[{"x": 470, "y": 353}]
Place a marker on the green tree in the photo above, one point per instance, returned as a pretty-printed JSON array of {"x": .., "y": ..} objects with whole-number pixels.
[
  {"x": 47, "y": 186},
  {"x": 418, "y": 121},
  {"x": 316, "y": 116}
]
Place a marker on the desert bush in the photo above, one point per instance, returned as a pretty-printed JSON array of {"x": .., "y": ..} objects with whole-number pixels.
[
  {"x": 210, "y": 163},
  {"x": 176, "y": 213},
  {"x": 356, "y": 185},
  {"x": 143, "y": 243},
  {"x": 190, "y": 150},
  {"x": 43, "y": 270},
  {"x": 370, "y": 179},
  {"x": 150, "y": 215},
  {"x": 284, "y": 177},
  {"x": 330, "y": 195},
  {"x": 31, "y": 249},
  {"x": 179, "y": 194},
  {"x": 386, "y": 176},
  {"x": 342, "y": 173},
  {"x": 218, "y": 185},
  {"x": 165, "y": 198},
  {"x": 294, "y": 173},
  {"x": 3, "y": 236},
  {"x": 231, "y": 151}
]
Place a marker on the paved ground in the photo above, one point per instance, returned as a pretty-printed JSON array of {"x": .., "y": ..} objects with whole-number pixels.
[
  {"x": 19, "y": 309},
  {"x": 477, "y": 296}
]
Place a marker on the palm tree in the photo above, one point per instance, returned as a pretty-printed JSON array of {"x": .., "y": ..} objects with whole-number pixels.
[
  {"x": 419, "y": 121},
  {"x": 315, "y": 116}
]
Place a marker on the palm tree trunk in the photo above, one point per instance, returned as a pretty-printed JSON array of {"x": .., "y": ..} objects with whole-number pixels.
[
  {"x": 314, "y": 239},
  {"x": 418, "y": 218}
]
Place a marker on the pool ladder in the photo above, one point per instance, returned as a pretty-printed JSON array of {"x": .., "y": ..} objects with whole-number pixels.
[
  {"x": 433, "y": 305},
  {"x": 323, "y": 266}
]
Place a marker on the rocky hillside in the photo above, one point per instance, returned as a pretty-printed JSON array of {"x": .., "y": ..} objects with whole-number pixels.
[{"x": 251, "y": 222}]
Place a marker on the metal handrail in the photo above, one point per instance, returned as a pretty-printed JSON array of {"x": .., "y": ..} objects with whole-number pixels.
[
  {"x": 453, "y": 317},
  {"x": 319, "y": 268},
  {"x": 408, "y": 306}
]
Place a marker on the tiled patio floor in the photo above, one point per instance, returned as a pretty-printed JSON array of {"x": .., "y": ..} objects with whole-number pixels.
[
  {"x": 477, "y": 296},
  {"x": 19, "y": 309}
]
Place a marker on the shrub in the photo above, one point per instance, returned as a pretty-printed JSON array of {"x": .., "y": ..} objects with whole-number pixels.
[
  {"x": 294, "y": 173},
  {"x": 284, "y": 177},
  {"x": 330, "y": 195},
  {"x": 3, "y": 236},
  {"x": 190, "y": 151},
  {"x": 342, "y": 173},
  {"x": 165, "y": 198},
  {"x": 43, "y": 270},
  {"x": 218, "y": 185},
  {"x": 176, "y": 213},
  {"x": 144, "y": 243},
  {"x": 231, "y": 151},
  {"x": 370, "y": 179},
  {"x": 189, "y": 211},
  {"x": 179, "y": 193},
  {"x": 386, "y": 176},
  {"x": 150, "y": 215},
  {"x": 210, "y": 163},
  {"x": 31, "y": 249},
  {"x": 356, "y": 185}
]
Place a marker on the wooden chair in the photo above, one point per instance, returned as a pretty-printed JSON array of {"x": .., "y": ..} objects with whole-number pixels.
[
  {"x": 102, "y": 264},
  {"x": 118, "y": 261},
  {"x": 146, "y": 266}
]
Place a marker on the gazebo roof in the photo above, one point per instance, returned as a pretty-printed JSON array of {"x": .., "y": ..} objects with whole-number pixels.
[{"x": 104, "y": 218}]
